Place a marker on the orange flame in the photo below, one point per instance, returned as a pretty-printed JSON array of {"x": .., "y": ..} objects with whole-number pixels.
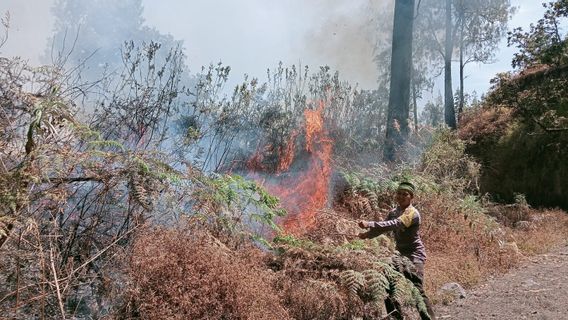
[
  {"x": 305, "y": 193},
  {"x": 287, "y": 154}
]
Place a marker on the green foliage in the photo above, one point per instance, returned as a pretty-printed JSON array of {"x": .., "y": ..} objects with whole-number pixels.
[
  {"x": 238, "y": 203},
  {"x": 433, "y": 112},
  {"x": 447, "y": 163},
  {"x": 475, "y": 212},
  {"x": 106, "y": 144},
  {"x": 521, "y": 200},
  {"x": 366, "y": 187},
  {"x": 527, "y": 151},
  {"x": 290, "y": 240},
  {"x": 354, "y": 245},
  {"x": 353, "y": 280},
  {"x": 471, "y": 205},
  {"x": 544, "y": 42},
  {"x": 380, "y": 282}
]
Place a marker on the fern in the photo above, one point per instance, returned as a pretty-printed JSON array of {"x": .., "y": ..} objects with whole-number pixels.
[
  {"x": 401, "y": 289},
  {"x": 418, "y": 301},
  {"x": 239, "y": 205},
  {"x": 366, "y": 188},
  {"x": 139, "y": 191},
  {"x": 99, "y": 144},
  {"x": 292, "y": 241},
  {"x": 85, "y": 132},
  {"x": 353, "y": 280},
  {"x": 377, "y": 285}
]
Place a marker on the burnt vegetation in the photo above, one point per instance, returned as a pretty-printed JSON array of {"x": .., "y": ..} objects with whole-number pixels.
[{"x": 120, "y": 198}]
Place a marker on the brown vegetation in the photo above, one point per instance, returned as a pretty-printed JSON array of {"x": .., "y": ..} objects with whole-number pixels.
[
  {"x": 519, "y": 136},
  {"x": 187, "y": 274},
  {"x": 106, "y": 228}
]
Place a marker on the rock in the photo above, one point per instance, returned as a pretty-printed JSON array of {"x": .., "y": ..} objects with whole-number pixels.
[
  {"x": 510, "y": 247},
  {"x": 453, "y": 289}
]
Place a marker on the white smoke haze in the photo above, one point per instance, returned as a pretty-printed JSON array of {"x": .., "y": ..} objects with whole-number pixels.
[
  {"x": 253, "y": 35},
  {"x": 30, "y": 25},
  {"x": 348, "y": 36}
]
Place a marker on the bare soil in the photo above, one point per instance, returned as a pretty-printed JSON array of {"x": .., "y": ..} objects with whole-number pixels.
[{"x": 538, "y": 289}]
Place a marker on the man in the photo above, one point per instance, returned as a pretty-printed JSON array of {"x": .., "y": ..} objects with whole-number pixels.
[{"x": 404, "y": 221}]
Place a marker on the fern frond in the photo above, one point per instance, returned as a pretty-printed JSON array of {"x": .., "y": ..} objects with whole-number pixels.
[
  {"x": 402, "y": 290},
  {"x": 418, "y": 301},
  {"x": 139, "y": 191},
  {"x": 354, "y": 281},
  {"x": 377, "y": 285},
  {"x": 98, "y": 144}
]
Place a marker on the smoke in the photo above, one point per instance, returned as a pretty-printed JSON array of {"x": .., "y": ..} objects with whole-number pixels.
[
  {"x": 348, "y": 36},
  {"x": 30, "y": 25}
]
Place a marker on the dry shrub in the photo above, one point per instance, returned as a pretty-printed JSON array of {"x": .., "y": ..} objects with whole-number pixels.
[
  {"x": 511, "y": 214},
  {"x": 467, "y": 248},
  {"x": 462, "y": 246},
  {"x": 314, "y": 299},
  {"x": 548, "y": 230},
  {"x": 333, "y": 228},
  {"x": 482, "y": 122},
  {"x": 180, "y": 274}
]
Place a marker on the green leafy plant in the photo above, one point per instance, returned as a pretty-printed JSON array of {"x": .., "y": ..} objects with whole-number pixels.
[{"x": 238, "y": 206}]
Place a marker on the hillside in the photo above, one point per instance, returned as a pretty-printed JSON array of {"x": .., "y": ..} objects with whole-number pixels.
[{"x": 520, "y": 134}]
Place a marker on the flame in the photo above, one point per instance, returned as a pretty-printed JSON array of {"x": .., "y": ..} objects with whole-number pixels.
[
  {"x": 287, "y": 153},
  {"x": 302, "y": 193}
]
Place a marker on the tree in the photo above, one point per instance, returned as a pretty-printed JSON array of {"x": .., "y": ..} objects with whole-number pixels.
[
  {"x": 449, "y": 111},
  {"x": 432, "y": 114},
  {"x": 544, "y": 42},
  {"x": 90, "y": 36},
  {"x": 401, "y": 68},
  {"x": 472, "y": 28},
  {"x": 133, "y": 79},
  {"x": 481, "y": 25},
  {"x": 422, "y": 66}
]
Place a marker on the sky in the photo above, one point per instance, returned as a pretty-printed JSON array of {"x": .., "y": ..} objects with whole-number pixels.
[{"x": 253, "y": 35}]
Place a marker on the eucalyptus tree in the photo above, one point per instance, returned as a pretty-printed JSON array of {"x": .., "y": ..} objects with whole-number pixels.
[
  {"x": 546, "y": 42},
  {"x": 481, "y": 24},
  {"x": 423, "y": 65},
  {"x": 90, "y": 35},
  {"x": 470, "y": 28},
  {"x": 400, "y": 75}
]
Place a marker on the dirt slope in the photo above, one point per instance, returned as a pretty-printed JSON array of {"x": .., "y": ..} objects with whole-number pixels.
[{"x": 538, "y": 289}]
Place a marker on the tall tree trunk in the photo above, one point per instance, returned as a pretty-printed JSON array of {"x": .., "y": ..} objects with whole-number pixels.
[
  {"x": 401, "y": 66},
  {"x": 461, "y": 102},
  {"x": 449, "y": 112},
  {"x": 415, "y": 105}
]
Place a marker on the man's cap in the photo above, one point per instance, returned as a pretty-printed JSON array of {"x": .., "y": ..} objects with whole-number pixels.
[{"x": 407, "y": 186}]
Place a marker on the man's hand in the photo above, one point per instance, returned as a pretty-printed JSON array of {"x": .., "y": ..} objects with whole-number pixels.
[{"x": 363, "y": 224}]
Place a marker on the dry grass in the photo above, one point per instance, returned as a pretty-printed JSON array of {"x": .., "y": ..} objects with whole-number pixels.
[
  {"x": 483, "y": 122},
  {"x": 188, "y": 274},
  {"x": 313, "y": 299},
  {"x": 468, "y": 255},
  {"x": 547, "y": 230},
  {"x": 463, "y": 246},
  {"x": 178, "y": 274}
]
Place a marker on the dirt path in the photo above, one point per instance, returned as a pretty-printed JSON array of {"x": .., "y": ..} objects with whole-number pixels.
[{"x": 538, "y": 289}]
